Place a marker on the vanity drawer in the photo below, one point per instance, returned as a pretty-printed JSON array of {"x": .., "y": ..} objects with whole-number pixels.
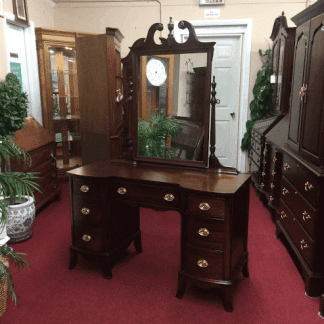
[
  {"x": 300, "y": 238},
  {"x": 88, "y": 189},
  {"x": 300, "y": 208},
  {"x": 88, "y": 238},
  {"x": 207, "y": 233},
  {"x": 204, "y": 263},
  {"x": 147, "y": 194},
  {"x": 209, "y": 207},
  {"x": 89, "y": 211},
  {"x": 301, "y": 178}
]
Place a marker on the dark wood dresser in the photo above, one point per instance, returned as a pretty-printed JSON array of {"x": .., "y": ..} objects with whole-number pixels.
[
  {"x": 294, "y": 182},
  {"x": 40, "y": 145},
  {"x": 214, "y": 208}
]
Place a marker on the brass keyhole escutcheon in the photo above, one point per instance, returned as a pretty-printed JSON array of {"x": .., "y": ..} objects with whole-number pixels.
[
  {"x": 121, "y": 191},
  {"x": 202, "y": 263},
  {"x": 168, "y": 197},
  {"x": 203, "y": 232},
  {"x": 84, "y": 188},
  {"x": 86, "y": 237},
  {"x": 204, "y": 206},
  {"x": 85, "y": 211}
]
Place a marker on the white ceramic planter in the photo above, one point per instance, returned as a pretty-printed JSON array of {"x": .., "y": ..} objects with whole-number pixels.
[
  {"x": 4, "y": 238},
  {"x": 20, "y": 219}
]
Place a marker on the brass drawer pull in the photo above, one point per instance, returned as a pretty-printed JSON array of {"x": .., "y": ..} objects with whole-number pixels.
[
  {"x": 121, "y": 191},
  {"x": 285, "y": 191},
  {"x": 263, "y": 174},
  {"x": 204, "y": 206},
  {"x": 85, "y": 211},
  {"x": 303, "y": 244},
  {"x": 306, "y": 216},
  {"x": 286, "y": 167},
  {"x": 168, "y": 197},
  {"x": 265, "y": 152},
  {"x": 303, "y": 91},
  {"x": 283, "y": 215},
  {"x": 271, "y": 198},
  {"x": 273, "y": 172},
  {"x": 308, "y": 186},
  {"x": 86, "y": 237},
  {"x": 203, "y": 232},
  {"x": 202, "y": 263},
  {"x": 274, "y": 159},
  {"x": 262, "y": 185},
  {"x": 272, "y": 185},
  {"x": 84, "y": 188}
]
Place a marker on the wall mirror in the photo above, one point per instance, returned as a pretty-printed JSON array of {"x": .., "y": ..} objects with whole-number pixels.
[{"x": 168, "y": 105}]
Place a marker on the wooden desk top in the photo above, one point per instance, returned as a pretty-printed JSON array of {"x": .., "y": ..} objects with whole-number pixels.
[{"x": 200, "y": 180}]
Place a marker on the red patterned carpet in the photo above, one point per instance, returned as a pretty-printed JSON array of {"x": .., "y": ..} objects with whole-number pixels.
[{"x": 143, "y": 287}]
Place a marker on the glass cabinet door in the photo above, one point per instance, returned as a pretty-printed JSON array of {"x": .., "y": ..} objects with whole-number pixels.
[{"x": 66, "y": 117}]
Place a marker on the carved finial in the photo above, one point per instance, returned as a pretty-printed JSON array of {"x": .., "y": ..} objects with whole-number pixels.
[{"x": 170, "y": 36}]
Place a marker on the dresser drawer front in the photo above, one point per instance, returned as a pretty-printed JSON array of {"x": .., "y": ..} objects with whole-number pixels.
[
  {"x": 302, "y": 241},
  {"x": 85, "y": 210},
  {"x": 147, "y": 194},
  {"x": 88, "y": 238},
  {"x": 300, "y": 208},
  {"x": 88, "y": 189},
  {"x": 204, "y": 264},
  {"x": 207, "y": 233},
  {"x": 255, "y": 157},
  {"x": 301, "y": 178},
  {"x": 209, "y": 207}
]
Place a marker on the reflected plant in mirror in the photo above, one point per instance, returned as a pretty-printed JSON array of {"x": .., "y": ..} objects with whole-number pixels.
[{"x": 154, "y": 136}]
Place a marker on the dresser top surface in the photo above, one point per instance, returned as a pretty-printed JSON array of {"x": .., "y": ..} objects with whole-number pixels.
[{"x": 199, "y": 180}]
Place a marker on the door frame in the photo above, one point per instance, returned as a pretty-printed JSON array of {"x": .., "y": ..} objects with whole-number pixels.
[
  {"x": 33, "y": 87},
  {"x": 222, "y": 28}
]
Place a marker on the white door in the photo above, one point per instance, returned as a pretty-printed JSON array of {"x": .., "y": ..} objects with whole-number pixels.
[
  {"x": 226, "y": 68},
  {"x": 231, "y": 68}
]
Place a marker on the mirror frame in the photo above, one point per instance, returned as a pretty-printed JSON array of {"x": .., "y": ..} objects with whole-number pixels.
[{"x": 147, "y": 46}]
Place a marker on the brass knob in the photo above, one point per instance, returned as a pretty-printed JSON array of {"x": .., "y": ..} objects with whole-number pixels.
[
  {"x": 86, "y": 237},
  {"x": 283, "y": 215},
  {"x": 203, "y": 232},
  {"x": 84, "y": 188},
  {"x": 274, "y": 159},
  {"x": 302, "y": 92},
  {"x": 308, "y": 186},
  {"x": 303, "y": 244},
  {"x": 204, "y": 206},
  {"x": 168, "y": 197},
  {"x": 202, "y": 263},
  {"x": 121, "y": 191},
  {"x": 272, "y": 185},
  {"x": 285, "y": 191},
  {"x": 306, "y": 216},
  {"x": 286, "y": 167},
  {"x": 85, "y": 211}
]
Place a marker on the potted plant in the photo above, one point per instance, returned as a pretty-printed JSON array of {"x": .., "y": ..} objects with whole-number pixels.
[
  {"x": 13, "y": 111},
  {"x": 153, "y": 136},
  {"x": 261, "y": 105},
  {"x": 14, "y": 186}
]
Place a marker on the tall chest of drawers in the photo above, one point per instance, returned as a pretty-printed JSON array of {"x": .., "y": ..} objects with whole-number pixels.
[{"x": 105, "y": 202}]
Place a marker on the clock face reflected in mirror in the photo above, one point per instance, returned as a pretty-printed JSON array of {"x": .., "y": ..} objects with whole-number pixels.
[
  {"x": 171, "y": 116},
  {"x": 156, "y": 72}
]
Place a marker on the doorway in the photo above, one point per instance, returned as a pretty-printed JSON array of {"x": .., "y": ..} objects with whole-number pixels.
[{"x": 231, "y": 68}]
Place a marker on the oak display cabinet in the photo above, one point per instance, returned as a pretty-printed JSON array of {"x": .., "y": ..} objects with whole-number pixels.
[{"x": 60, "y": 96}]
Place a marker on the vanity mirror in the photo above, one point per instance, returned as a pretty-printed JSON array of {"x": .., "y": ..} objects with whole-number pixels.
[{"x": 168, "y": 105}]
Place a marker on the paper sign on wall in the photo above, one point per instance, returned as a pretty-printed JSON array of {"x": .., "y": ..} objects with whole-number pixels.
[
  {"x": 211, "y": 2},
  {"x": 211, "y": 13}
]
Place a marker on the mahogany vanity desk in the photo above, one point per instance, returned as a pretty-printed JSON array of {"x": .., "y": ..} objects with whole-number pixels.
[{"x": 105, "y": 213}]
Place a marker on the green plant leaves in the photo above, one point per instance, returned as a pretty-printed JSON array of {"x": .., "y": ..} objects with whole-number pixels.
[{"x": 13, "y": 106}]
